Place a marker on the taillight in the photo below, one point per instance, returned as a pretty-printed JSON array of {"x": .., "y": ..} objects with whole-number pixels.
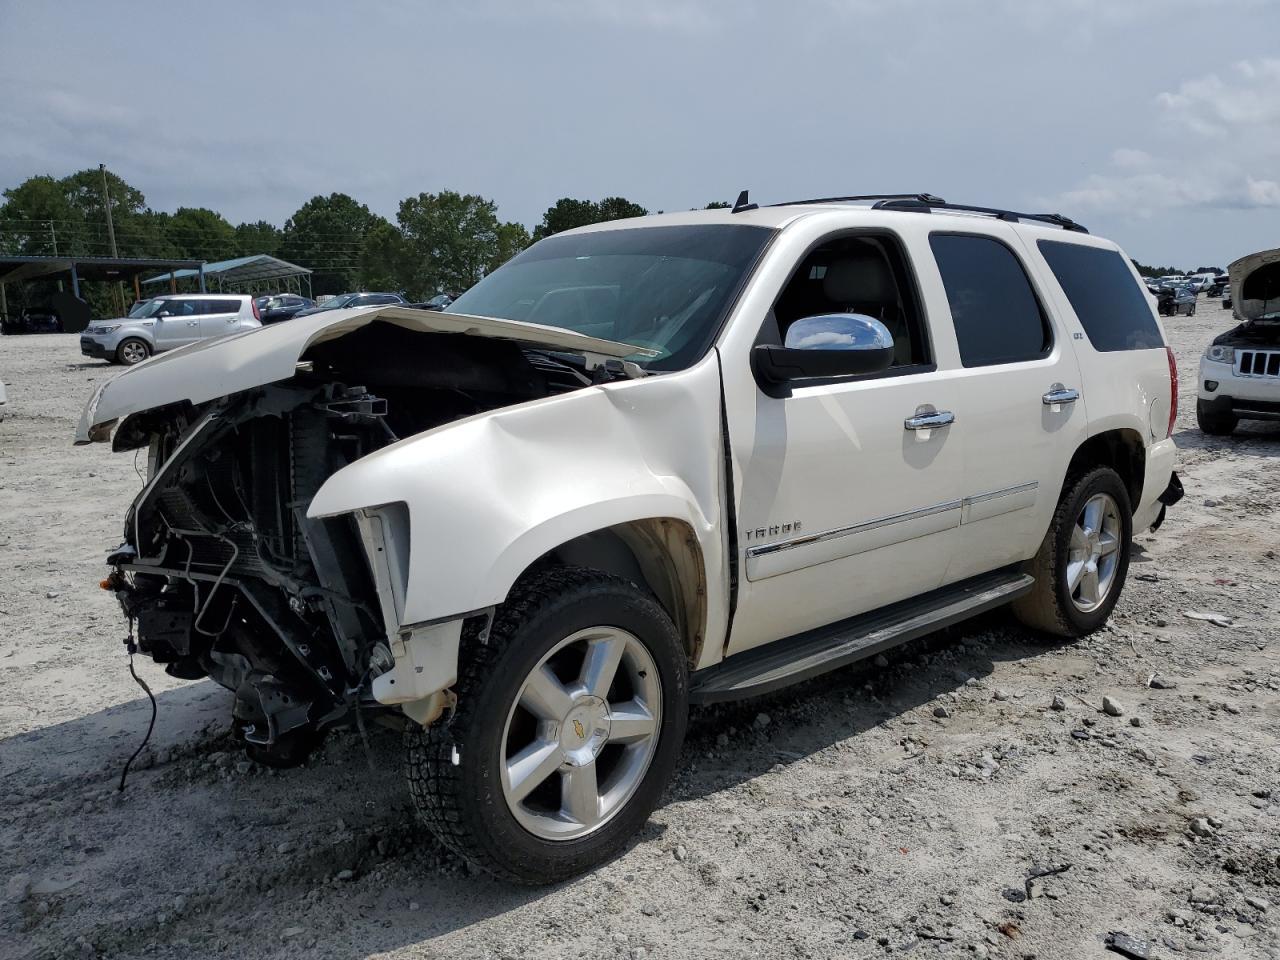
[
  {"x": 257, "y": 315},
  {"x": 1173, "y": 390}
]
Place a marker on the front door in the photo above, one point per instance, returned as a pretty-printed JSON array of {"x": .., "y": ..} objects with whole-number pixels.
[
  {"x": 177, "y": 324},
  {"x": 846, "y": 499}
]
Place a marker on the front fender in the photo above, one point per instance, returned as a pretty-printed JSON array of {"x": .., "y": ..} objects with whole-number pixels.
[{"x": 489, "y": 495}]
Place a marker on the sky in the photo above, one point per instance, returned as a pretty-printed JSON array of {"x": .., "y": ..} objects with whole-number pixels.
[{"x": 1155, "y": 123}]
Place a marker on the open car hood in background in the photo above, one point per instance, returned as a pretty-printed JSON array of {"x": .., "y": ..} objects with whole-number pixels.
[
  {"x": 1245, "y": 303},
  {"x": 219, "y": 367}
]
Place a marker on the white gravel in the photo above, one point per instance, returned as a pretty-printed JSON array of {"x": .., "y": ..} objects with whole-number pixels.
[{"x": 848, "y": 817}]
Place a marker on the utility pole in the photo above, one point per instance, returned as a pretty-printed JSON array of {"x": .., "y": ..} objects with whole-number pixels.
[
  {"x": 111, "y": 230},
  {"x": 106, "y": 204}
]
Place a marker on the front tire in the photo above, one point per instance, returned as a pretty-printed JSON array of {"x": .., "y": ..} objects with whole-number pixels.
[
  {"x": 1081, "y": 566},
  {"x": 1215, "y": 424},
  {"x": 131, "y": 351},
  {"x": 570, "y": 718}
]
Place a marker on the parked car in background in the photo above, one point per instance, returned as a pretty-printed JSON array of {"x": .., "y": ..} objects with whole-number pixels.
[
  {"x": 1240, "y": 370},
  {"x": 1227, "y": 300},
  {"x": 163, "y": 323},
  {"x": 1218, "y": 285},
  {"x": 282, "y": 306},
  {"x": 1176, "y": 299},
  {"x": 685, "y": 458},
  {"x": 1204, "y": 280},
  {"x": 33, "y": 320},
  {"x": 4, "y": 399},
  {"x": 438, "y": 302},
  {"x": 346, "y": 301}
]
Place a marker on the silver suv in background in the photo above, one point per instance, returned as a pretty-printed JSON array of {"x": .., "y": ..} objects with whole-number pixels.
[{"x": 163, "y": 323}]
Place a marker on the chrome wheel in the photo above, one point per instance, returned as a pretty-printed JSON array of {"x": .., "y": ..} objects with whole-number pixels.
[
  {"x": 581, "y": 733},
  {"x": 132, "y": 351},
  {"x": 1094, "y": 554}
]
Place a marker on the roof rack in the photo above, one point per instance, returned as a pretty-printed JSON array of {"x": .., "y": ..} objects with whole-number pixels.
[
  {"x": 921, "y": 198},
  {"x": 922, "y": 203},
  {"x": 929, "y": 204}
]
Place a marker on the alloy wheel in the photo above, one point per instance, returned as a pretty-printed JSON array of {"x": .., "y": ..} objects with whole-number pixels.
[
  {"x": 1093, "y": 556},
  {"x": 133, "y": 352},
  {"x": 581, "y": 733}
]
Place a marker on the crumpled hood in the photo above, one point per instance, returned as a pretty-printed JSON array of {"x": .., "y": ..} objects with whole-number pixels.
[{"x": 216, "y": 368}]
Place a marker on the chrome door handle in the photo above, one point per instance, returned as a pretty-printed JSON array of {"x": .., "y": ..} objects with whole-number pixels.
[
  {"x": 927, "y": 421},
  {"x": 1059, "y": 394}
]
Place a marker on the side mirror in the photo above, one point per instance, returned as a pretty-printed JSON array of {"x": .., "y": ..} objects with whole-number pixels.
[
  {"x": 162, "y": 314},
  {"x": 832, "y": 345}
]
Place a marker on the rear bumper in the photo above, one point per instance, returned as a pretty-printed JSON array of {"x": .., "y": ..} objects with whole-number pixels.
[{"x": 1158, "y": 485}]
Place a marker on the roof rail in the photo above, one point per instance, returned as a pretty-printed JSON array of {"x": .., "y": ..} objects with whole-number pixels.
[
  {"x": 923, "y": 198},
  {"x": 929, "y": 204}
]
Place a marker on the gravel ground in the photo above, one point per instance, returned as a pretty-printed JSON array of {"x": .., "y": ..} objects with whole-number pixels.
[{"x": 899, "y": 808}]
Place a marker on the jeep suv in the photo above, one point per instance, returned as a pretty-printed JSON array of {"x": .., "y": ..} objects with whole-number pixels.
[
  {"x": 678, "y": 459},
  {"x": 163, "y": 323},
  {"x": 1240, "y": 370}
]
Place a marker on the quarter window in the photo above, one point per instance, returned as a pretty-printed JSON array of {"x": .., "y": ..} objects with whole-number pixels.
[
  {"x": 1106, "y": 298},
  {"x": 997, "y": 316}
]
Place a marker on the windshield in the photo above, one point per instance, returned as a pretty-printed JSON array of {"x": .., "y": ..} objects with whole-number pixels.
[
  {"x": 665, "y": 288},
  {"x": 145, "y": 308}
]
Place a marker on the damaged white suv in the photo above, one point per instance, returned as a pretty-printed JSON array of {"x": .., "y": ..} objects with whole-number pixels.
[{"x": 645, "y": 464}]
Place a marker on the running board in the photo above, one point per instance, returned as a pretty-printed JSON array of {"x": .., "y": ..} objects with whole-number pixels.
[{"x": 793, "y": 659}]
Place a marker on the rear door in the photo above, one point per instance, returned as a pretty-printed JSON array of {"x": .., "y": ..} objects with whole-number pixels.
[
  {"x": 1018, "y": 396},
  {"x": 219, "y": 316}
]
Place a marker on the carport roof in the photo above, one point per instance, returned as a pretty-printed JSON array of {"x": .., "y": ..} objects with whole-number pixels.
[
  {"x": 240, "y": 270},
  {"x": 13, "y": 269}
]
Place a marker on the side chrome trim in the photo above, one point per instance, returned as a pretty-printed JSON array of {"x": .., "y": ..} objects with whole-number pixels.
[
  {"x": 966, "y": 504},
  {"x": 764, "y": 549}
]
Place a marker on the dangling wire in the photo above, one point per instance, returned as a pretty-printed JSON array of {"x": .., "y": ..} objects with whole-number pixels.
[{"x": 133, "y": 648}]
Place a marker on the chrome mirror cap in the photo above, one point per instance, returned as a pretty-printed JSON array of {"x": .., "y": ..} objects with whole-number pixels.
[{"x": 839, "y": 331}]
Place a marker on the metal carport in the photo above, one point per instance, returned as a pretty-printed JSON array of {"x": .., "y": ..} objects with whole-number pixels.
[
  {"x": 14, "y": 269},
  {"x": 252, "y": 272}
]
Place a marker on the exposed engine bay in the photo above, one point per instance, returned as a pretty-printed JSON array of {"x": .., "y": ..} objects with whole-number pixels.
[{"x": 222, "y": 572}]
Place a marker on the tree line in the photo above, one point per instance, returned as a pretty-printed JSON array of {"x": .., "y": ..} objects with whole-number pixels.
[{"x": 438, "y": 242}]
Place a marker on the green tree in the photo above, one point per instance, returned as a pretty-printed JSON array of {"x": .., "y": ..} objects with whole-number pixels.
[
  {"x": 512, "y": 238},
  {"x": 384, "y": 263},
  {"x": 31, "y": 214},
  {"x": 567, "y": 213},
  {"x": 201, "y": 234},
  {"x": 257, "y": 237},
  {"x": 718, "y": 205},
  {"x": 451, "y": 240},
  {"x": 327, "y": 234}
]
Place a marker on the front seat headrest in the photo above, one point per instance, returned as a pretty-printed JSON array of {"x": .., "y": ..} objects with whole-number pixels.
[{"x": 860, "y": 276}]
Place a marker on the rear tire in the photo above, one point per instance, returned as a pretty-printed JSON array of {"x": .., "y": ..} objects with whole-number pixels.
[
  {"x": 1214, "y": 424},
  {"x": 498, "y": 782},
  {"x": 132, "y": 350},
  {"x": 1081, "y": 566}
]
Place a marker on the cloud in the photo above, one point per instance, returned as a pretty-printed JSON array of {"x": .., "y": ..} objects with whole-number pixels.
[{"x": 1221, "y": 133}]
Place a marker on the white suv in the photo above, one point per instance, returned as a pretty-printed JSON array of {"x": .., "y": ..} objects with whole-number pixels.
[
  {"x": 1240, "y": 370},
  {"x": 679, "y": 459},
  {"x": 163, "y": 323}
]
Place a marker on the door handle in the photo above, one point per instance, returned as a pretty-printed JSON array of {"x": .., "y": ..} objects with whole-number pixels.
[
  {"x": 1059, "y": 394},
  {"x": 927, "y": 421}
]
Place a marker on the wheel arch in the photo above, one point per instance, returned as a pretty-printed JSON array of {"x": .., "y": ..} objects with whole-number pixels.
[
  {"x": 1121, "y": 449},
  {"x": 660, "y": 554}
]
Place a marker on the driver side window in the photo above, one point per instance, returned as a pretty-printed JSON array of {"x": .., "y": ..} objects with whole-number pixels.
[{"x": 856, "y": 274}]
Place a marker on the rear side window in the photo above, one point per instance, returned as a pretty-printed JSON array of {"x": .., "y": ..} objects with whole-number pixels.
[
  {"x": 219, "y": 306},
  {"x": 1111, "y": 306},
  {"x": 997, "y": 317}
]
